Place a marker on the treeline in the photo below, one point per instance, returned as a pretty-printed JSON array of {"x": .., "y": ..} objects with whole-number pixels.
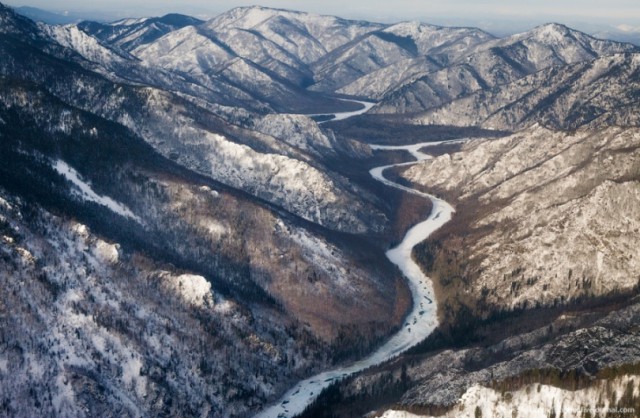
[{"x": 334, "y": 403}]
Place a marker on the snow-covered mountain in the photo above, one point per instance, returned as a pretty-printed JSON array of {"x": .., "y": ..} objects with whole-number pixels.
[
  {"x": 177, "y": 238},
  {"x": 303, "y": 35},
  {"x": 264, "y": 58},
  {"x": 400, "y": 43},
  {"x": 536, "y": 277},
  {"x": 162, "y": 247},
  {"x": 266, "y": 52},
  {"x": 550, "y": 219},
  {"x": 258, "y": 164},
  {"x": 128, "y": 34},
  {"x": 605, "y": 91},
  {"x": 547, "y": 188},
  {"x": 499, "y": 62}
]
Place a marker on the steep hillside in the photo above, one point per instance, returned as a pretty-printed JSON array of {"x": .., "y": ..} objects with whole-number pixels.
[
  {"x": 135, "y": 273},
  {"x": 129, "y": 34},
  {"x": 497, "y": 63},
  {"x": 536, "y": 279},
  {"x": 163, "y": 225},
  {"x": 394, "y": 46},
  {"x": 199, "y": 140},
  {"x": 551, "y": 218},
  {"x": 601, "y": 92}
]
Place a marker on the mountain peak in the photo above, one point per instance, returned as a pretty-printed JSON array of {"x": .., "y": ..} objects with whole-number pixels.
[
  {"x": 409, "y": 26},
  {"x": 245, "y": 17},
  {"x": 552, "y": 30},
  {"x": 179, "y": 20},
  {"x": 244, "y": 11}
]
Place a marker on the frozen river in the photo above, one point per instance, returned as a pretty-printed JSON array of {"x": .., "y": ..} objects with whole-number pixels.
[{"x": 420, "y": 322}]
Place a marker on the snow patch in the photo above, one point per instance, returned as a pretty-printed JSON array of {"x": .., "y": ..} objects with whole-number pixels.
[
  {"x": 4, "y": 204},
  {"x": 207, "y": 189},
  {"x": 87, "y": 193},
  {"x": 105, "y": 252},
  {"x": 195, "y": 290}
]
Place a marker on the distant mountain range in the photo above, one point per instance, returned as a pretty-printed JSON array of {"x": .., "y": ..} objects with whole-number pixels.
[{"x": 64, "y": 17}]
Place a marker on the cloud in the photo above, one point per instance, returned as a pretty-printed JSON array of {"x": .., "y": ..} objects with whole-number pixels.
[{"x": 628, "y": 28}]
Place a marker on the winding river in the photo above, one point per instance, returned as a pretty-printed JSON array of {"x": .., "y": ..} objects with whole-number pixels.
[
  {"x": 345, "y": 115},
  {"x": 420, "y": 322}
]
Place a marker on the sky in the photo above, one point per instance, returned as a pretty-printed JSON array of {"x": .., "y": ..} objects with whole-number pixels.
[{"x": 594, "y": 12}]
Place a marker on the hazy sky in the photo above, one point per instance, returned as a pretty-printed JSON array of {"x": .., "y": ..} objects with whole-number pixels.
[{"x": 591, "y": 11}]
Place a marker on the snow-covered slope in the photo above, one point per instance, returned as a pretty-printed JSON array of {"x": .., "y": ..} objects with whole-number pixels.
[
  {"x": 87, "y": 46},
  {"x": 86, "y": 192},
  {"x": 559, "y": 211},
  {"x": 613, "y": 396},
  {"x": 256, "y": 163},
  {"x": 220, "y": 280},
  {"x": 392, "y": 45},
  {"x": 553, "y": 44},
  {"x": 499, "y": 62},
  {"x": 264, "y": 74},
  {"x": 598, "y": 92},
  {"x": 187, "y": 50},
  {"x": 304, "y": 35},
  {"x": 128, "y": 34},
  {"x": 104, "y": 332},
  {"x": 298, "y": 131},
  {"x": 377, "y": 84},
  {"x": 265, "y": 52}
]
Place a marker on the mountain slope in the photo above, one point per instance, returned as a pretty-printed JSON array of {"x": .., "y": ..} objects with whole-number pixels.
[
  {"x": 201, "y": 141},
  {"x": 265, "y": 52},
  {"x": 129, "y": 34},
  {"x": 545, "y": 190},
  {"x": 605, "y": 91},
  {"x": 198, "y": 55},
  {"x": 122, "y": 303},
  {"x": 391, "y": 45},
  {"x": 499, "y": 62},
  {"x": 304, "y": 35},
  {"x": 536, "y": 280}
]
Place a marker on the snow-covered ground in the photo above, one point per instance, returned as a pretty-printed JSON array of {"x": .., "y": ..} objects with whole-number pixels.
[
  {"x": 537, "y": 400},
  {"x": 86, "y": 192},
  {"x": 421, "y": 321}
]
